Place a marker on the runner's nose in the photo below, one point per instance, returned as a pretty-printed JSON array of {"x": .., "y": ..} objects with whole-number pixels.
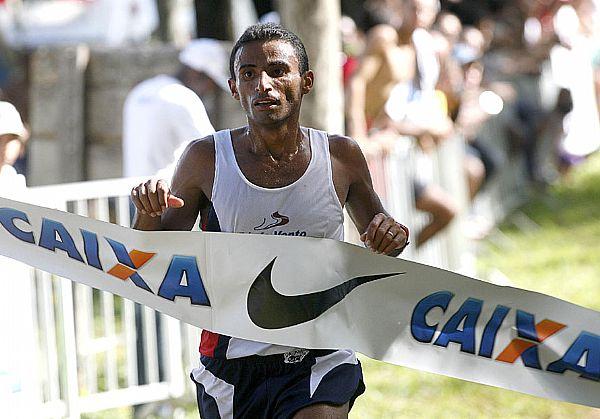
[{"x": 264, "y": 82}]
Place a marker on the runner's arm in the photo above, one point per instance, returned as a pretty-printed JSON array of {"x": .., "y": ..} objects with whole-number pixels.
[
  {"x": 162, "y": 208},
  {"x": 351, "y": 174}
]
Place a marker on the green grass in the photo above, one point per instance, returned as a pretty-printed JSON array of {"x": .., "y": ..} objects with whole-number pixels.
[{"x": 561, "y": 258}]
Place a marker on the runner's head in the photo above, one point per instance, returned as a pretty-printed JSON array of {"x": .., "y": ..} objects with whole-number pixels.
[{"x": 269, "y": 73}]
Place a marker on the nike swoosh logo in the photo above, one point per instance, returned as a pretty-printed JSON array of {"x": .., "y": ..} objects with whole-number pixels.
[{"x": 269, "y": 309}]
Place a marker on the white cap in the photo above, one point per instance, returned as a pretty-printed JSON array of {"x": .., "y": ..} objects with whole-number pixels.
[
  {"x": 271, "y": 17},
  {"x": 10, "y": 121},
  {"x": 208, "y": 56}
]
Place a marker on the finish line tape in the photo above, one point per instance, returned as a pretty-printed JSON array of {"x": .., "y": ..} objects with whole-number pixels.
[{"x": 319, "y": 293}]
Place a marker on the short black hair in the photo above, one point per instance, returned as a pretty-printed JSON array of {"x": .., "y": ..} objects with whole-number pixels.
[{"x": 266, "y": 32}]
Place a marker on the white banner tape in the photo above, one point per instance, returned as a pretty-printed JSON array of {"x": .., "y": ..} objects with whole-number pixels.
[{"x": 318, "y": 293}]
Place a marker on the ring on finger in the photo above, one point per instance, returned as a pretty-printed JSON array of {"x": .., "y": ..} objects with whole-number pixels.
[{"x": 390, "y": 233}]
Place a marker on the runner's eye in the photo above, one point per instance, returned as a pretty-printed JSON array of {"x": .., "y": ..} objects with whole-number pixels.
[{"x": 278, "y": 72}]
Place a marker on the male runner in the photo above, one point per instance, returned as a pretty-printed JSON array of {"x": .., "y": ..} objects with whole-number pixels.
[{"x": 272, "y": 176}]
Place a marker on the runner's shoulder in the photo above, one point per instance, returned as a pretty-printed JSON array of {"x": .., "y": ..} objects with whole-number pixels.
[
  {"x": 345, "y": 149},
  {"x": 198, "y": 160},
  {"x": 200, "y": 151}
]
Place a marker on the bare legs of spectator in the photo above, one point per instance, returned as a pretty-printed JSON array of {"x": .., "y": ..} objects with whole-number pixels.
[{"x": 441, "y": 208}]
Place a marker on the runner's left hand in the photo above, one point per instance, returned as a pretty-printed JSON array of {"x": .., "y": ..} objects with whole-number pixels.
[{"x": 385, "y": 236}]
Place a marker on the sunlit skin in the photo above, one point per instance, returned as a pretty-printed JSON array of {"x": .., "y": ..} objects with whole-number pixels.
[
  {"x": 271, "y": 150},
  {"x": 268, "y": 83}
]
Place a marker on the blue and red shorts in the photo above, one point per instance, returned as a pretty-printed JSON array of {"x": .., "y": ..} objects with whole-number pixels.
[{"x": 276, "y": 386}]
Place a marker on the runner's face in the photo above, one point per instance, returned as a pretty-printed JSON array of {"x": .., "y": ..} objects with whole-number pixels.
[{"x": 268, "y": 82}]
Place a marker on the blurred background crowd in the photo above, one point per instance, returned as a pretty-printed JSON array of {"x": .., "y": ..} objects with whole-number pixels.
[{"x": 416, "y": 71}]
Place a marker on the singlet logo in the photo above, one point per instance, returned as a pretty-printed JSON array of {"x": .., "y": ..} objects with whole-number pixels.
[{"x": 278, "y": 220}]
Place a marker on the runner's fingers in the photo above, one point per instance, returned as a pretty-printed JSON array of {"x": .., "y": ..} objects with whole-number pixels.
[
  {"x": 372, "y": 229},
  {"x": 396, "y": 243},
  {"x": 163, "y": 192},
  {"x": 399, "y": 238},
  {"x": 387, "y": 241},
  {"x": 381, "y": 237},
  {"x": 143, "y": 197},
  {"x": 155, "y": 209},
  {"x": 136, "y": 200}
]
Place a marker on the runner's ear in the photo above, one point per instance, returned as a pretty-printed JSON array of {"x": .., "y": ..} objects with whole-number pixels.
[
  {"x": 308, "y": 79},
  {"x": 233, "y": 88}
]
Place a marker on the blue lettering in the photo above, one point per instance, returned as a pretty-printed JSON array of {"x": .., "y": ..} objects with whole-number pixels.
[
  {"x": 172, "y": 287},
  {"x": 585, "y": 344},
  {"x": 531, "y": 358},
  {"x": 469, "y": 313},
  {"x": 491, "y": 330},
  {"x": 526, "y": 326},
  {"x": 7, "y": 219},
  {"x": 55, "y": 236},
  {"x": 526, "y": 329},
  {"x": 419, "y": 328},
  {"x": 90, "y": 248}
]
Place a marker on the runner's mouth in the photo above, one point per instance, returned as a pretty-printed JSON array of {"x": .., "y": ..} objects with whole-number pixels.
[{"x": 266, "y": 103}]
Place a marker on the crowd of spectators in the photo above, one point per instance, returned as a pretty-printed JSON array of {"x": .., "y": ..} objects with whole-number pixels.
[
  {"x": 431, "y": 71},
  {"x": 426, "y": 71}
]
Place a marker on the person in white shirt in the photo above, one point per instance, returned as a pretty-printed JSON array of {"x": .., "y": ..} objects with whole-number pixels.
[
  {"x": 15, "y": 303},
  {"x": 163, "y": 114},
  {"x": 13, "y": 136}
]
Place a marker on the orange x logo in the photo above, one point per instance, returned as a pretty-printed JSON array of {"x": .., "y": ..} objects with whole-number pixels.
[
  {"x": 138, "y": 259},
  {"x": 517, "y": 347}
]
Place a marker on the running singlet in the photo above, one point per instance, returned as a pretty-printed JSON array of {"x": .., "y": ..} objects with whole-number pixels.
[{"x": 308, "y": 207}]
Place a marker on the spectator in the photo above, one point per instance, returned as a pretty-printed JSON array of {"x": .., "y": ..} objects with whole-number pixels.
[
  {"x": 447, "y": 34},
  {"x": 13, "y": 136},
  {"x": 352, "y": 47},
  {"x": 514, "y": 62},
  {"x": 476, "y": 106},
  {"x": 163, "y": 114},
  {"x": 558, "y": 127},
  {"x": 416, "y": 107},
  {"x": 399, "y": 66},
  {"x": 15, "y": 299},
  {"x": 573, "y": 69},
  {"x": 385, "y": 63}
]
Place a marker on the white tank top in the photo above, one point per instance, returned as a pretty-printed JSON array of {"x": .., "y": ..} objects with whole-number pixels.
[{"x": 308, "y": 207}]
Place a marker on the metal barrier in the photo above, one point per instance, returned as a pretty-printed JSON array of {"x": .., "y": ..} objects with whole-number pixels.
[
  {"x": 97, "y": 351},
  {"x": 94, "y": 351}
]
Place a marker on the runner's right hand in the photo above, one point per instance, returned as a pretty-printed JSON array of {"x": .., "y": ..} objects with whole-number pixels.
[{"x": 153, "y": 197}]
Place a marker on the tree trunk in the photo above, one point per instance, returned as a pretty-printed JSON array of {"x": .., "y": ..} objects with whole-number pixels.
[
  {"x": 316, "y": 22},
  {"x": 213, "y": 19},
  {"x": 165, "y": 13}
]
